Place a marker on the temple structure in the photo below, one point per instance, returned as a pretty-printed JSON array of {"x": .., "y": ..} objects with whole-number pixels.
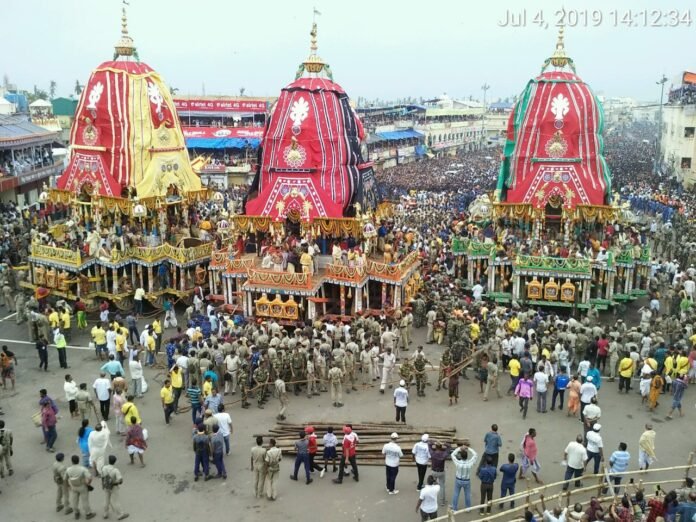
[
  {"x": 132, "y": 196},
  {"x": 553, "y": 169},
  {"x": 554, "y": 191},
  {"x": 311, "y": 164},
  {"x": 126, "y": 138}
]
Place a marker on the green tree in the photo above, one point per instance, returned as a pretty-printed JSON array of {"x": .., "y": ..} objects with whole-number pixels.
[
  {"x": 52, "y": 89},
  {"x": 78, "y": 87}
]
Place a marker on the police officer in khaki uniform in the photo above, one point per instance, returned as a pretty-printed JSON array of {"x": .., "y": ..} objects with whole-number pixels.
[
  {"x": 62, "y": 487},
  {"x": 79, "y": 479},
  {"x": 111, "y": 484},
  {"x": 336, "y": 380}
]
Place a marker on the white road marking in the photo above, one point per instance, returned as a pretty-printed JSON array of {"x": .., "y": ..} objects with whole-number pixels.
[
  {"x": 33, "y": 343},
  {"x": 8, "y": 317}
]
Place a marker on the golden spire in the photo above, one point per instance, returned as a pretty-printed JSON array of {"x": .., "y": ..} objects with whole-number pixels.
[
  {"x": 124, "y": 46},
  {"x": 314, "y": 63},
  {"x": 560, "y": 58}
]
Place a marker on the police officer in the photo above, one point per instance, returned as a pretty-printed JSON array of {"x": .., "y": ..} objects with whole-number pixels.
[
  {"x": 261, "y": 379},
  {"x": 111, "y": 484},
  {"x": 62, "y": 487},
  {"x": 79, "y": 479},
  {"x": 336, "y": 380}
]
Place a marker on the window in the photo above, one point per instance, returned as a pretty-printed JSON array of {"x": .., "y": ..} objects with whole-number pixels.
[
  {"x": 686, "y": 163},
  {"x": 688, "y": 132}
]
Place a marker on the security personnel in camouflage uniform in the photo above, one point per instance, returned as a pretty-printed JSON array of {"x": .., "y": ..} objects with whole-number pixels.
[
  {"x": 243, "y": 383},
  {"x": 418, "y": 312},
  {"x": 406, "y": 372},
  {"x": 260, "y": 381},
  {"x": 421, "y": 377},
  {"x": 298, "y": 365},
  {"x": 445, "y": 361}
]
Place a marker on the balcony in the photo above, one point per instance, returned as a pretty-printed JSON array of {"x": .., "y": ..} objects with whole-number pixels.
[
  {"x": 392, "y": 272},
  {"x": 61, "y": 256}
]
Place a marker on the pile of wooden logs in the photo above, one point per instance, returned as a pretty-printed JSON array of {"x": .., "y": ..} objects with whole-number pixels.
[{"x": 373, "y": 436}]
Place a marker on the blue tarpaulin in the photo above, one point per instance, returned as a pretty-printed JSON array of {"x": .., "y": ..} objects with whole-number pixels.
[
  {"x": 399, "y": 135},
  {"x": 222, "y": 143}
]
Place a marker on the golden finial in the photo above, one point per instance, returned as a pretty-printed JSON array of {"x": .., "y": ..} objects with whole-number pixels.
[
  {"x": 560, "y": 58},
  {"x": 314, "y": 63},
  {"x": 124, "y": 46}
]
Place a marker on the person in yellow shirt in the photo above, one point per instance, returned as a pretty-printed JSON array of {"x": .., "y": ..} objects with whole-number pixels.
[
  {"x": 129, "y": 409},
  {"x": 66, "y": 320},
  {"x": 514, "y": 324},
  {"x": 99, "y": 339},
  {"x": 207, "y": 387},
  {"x": 682, "y": 364},
  {"x": 177, "y": 377},
  {"x": 121, "y": 346},
  {"x": 167, "y": 397},
  {"x": 514, "y": 366},
  {"x": 54, "y": 319},
  {"x": 474, "y": 330},
  {"x": 625, "y": 373},
  {"x": 157, "y": 328},
  {"x": 150, "y": 347}
]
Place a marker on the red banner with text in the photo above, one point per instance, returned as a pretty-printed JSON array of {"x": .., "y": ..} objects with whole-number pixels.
[{"x": 201, "y": 105}]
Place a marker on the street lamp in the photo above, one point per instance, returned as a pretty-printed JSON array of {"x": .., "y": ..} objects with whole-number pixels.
[
  {"x": 658, "y": 144},
  {"x": 484, "y": 88}
]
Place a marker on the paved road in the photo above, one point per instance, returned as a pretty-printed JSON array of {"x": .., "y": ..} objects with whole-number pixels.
[{"x": 164, "y": 490}]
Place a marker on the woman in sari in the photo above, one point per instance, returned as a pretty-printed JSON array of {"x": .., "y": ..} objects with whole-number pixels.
[
  {"x": 82, "y": 436},
  {"x": 573, "y": 396},
  {"x": 655, "y": 389}
]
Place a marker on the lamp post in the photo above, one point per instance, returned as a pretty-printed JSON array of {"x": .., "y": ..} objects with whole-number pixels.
[
  {"x": 658, "y": 143},
  {"x": 484, "y": 88}
]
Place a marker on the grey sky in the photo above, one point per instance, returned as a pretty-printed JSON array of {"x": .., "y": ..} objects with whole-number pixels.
[{"x": 385, "y": 49}]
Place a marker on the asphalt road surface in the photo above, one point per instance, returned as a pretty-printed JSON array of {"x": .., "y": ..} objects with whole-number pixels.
[{"x": 164, "y": 490}]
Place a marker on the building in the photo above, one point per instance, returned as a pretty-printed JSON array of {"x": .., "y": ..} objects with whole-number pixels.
[
  {"x": 678, "y": 145},
  {"x": 26, "y": 159},
  {"x": 64, "y": 110},
  {"x": 399, "y": 134},
  {"x": 41, "y": 114},
  {"x": 222, "y": 134}
]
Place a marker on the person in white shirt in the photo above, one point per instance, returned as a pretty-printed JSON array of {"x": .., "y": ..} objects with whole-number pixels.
[
  {"x": 541, "y": 382},
  {"x": 70, "y": 389},
  {"x": 583, "y": 368},
  {"x": 575, "y": 457},
  {"x": 588, "y": 391},
  {"x": 388, "y": 363},
  {"x": 595, "y": 447},
  {"x": 421, "y": 455},
  {"x": 102, "y": 389},
  {"x": 225, "y": 422},
  {"x": 557, "y": 515},
  {"x": 401, "y": 401},
  {"x": 392, "y": 455},
  {"x": 138, "y": 301},
  {"x": 690, "y": 288},
  {"x": 232, "y": 364},
  {"x": 477, "y": 291},
  {"x": 111, "y": 341},
  {"x": 427, "y": 500},
  {"x": 136, "y": 372}
]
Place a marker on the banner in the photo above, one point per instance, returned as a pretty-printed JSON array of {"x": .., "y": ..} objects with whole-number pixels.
[
  {"x": 201, "y": 105},
  {"x": 223, "y": 132}
]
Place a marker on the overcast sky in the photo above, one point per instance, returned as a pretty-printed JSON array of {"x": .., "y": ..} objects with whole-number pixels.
[{"x": 376, "y": 48}]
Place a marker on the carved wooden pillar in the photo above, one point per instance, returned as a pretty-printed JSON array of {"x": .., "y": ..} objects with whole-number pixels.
[
  {"x": 114, "y": 282},
  {"x": 150, "y": 280}
]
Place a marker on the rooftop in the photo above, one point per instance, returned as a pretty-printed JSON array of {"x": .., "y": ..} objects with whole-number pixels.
[{"x": 17, "y": 130}]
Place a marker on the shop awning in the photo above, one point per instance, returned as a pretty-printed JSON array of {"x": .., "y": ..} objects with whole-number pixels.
[
  {"x": 222, "y": 143},
  {"x": 400, "y": 134}
]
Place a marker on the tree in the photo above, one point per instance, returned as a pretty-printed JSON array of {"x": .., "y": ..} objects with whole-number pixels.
[
  {"x": 242, "y": 90},
  {"x": 5, "y": 81},
  {"x": 38, "y": 94},
  {"x": 78, "y": 87},
  {"x": 173, "y": 90},
  {"x": 52, "y": 89}
]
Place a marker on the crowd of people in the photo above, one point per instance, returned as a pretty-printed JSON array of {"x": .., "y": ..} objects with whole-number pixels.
[{"x": 208, "y": 355}]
